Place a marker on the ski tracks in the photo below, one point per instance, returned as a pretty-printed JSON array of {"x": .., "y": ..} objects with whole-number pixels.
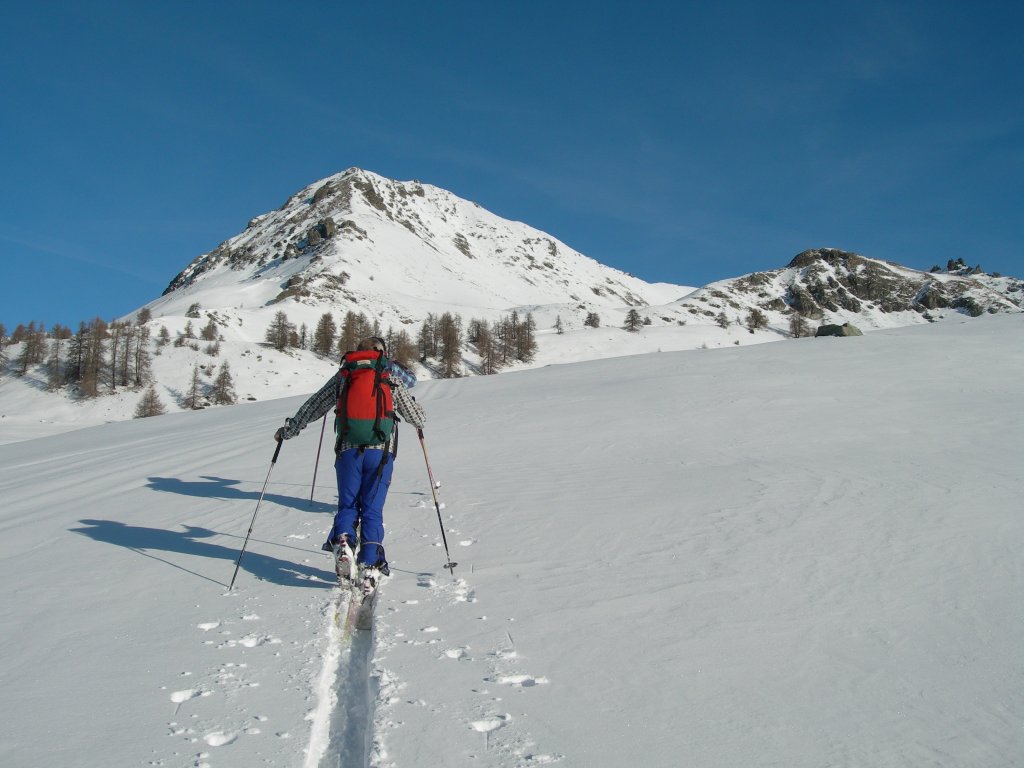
[{"x": 341, "y": 724}]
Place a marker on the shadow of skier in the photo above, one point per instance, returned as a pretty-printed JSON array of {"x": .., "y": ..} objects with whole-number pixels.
[
  {"x": 190, "y": 542},
  {"x": 212, "y": 487}
]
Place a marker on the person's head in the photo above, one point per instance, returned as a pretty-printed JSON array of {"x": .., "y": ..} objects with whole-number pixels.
[{"x": 373, "y": 342}]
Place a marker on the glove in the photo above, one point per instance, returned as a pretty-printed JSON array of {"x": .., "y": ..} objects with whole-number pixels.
[{"x": 279, "y": 435}]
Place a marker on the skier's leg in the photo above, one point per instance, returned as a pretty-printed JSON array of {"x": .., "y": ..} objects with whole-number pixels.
[
  {"x": 349, "y": 470},
  {"x": 376, "y": 478}
]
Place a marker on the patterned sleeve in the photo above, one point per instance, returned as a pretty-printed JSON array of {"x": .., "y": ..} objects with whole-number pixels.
[
  {"x": 319, "y": 403},
  {"x": 407, "y": 406}
]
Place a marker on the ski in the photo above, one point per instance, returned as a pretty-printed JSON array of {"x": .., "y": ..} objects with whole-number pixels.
[{"x": 356, "y": 603}]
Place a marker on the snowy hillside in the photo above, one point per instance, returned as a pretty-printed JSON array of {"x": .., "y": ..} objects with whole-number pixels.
[
  {"x": 798, "y": 554},
  {"x": 400, "y": 252}
]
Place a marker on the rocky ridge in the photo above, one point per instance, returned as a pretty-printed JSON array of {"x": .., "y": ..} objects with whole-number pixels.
[{"x": 831, "y": 285}]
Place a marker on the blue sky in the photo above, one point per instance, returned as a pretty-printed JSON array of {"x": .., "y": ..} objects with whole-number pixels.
[{"x": 681, "y": 142}]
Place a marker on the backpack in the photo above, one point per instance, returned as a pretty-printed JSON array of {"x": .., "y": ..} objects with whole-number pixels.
[{"x": 366, "y": 410}]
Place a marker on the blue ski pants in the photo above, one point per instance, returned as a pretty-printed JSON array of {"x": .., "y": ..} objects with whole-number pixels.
[{"x": 362, "y": 490}]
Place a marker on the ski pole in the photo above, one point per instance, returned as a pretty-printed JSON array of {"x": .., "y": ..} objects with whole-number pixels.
[
  {"x": 317, "y": 465},
  {"x": 433, "y": 490},
  {"x": 246, "y": 542}
]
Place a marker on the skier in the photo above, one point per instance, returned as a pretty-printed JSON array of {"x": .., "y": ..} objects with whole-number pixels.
[{"x": 364, "y": 468}]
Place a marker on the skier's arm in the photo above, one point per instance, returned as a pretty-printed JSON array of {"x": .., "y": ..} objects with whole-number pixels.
[
  {"x": 316, "y": 406},
  {"x": 407, "y": 406}
]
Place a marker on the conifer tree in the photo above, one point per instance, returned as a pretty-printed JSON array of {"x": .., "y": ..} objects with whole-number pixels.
[
  {"x": 593, "y": 320},
  {"x": 450, "y": 332},
  {"x": 194, "y": 393},
  {"x": 559, "y": 325},
  {"x": 3, "y": 348},
  {"x": 54, "y": 365},
  {"x": 721, "y": 320},
  {"x": 163, "y": 337},
  {"x": 142, "y": 362},
  {"x": 526, "y": 339},
  {"x": 209, "y": 332},
  {"x": 488, "y": 350},
  {"x": 633, "y": 321},
  {"x": 149, "y": 405},
  {"x": 323, "y": 336},
  {"x": 116, "y": 331},
  {"x": 129, "y": 335},
  {"x": 94, "y": 357},
  {"x": 798, "y": 326},
  {"x": 223, "y": 392},
  {"x": 354, "y": 328},
  {"x": 280, "y": 332},
  {"x": 401, "y": 348},
  {"x": 33, "y": 350},
  {"x": 755, "y": 319},
  {"x": 428, "y": 339}
]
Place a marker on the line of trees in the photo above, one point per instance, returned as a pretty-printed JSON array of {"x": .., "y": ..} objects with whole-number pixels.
[
  {"x": 101, "y": 358},
  {"x": 98, "y": 356},
  {"x": 440, "y": 341},
  {"x": 331, "y": 339}
]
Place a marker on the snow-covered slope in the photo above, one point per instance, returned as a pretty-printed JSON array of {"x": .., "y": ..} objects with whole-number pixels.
[{"x": 797, "y": 554}]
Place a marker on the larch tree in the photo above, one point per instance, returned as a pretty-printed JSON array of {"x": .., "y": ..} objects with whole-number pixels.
[
  {"x": 280, "y": 331},
  {"x": 223, "y": 391},
  {"x": 324, "y": 335},
  {"x": 149, "y": 405},
  {"x": 194, "y": 394}
]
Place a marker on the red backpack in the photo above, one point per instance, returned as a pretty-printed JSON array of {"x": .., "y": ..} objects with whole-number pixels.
[{"x": 366, "y": 410}]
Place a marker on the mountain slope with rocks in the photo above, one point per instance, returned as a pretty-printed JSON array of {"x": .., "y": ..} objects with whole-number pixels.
[
  {"x": 828, "y": 285},
  {"x": 397, "y": 250}
]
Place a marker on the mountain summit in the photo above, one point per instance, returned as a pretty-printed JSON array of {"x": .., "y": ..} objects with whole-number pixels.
[{"x": 399, "y": 250}]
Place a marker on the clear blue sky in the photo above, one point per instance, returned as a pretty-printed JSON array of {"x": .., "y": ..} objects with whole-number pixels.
[{"x": 682, "y": 142}]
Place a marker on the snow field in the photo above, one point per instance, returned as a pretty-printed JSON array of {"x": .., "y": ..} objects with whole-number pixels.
[{"x": 802, "y": 554}]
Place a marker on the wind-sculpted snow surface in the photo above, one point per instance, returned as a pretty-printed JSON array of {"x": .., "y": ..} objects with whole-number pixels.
[{"x": 797, "y": 554}]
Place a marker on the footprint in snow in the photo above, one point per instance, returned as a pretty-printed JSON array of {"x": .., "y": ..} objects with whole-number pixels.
[
  {"x": 179, "y": 697},
  {"x": 519, "y": 681},
  {"x": 491, "y": 723},
  {"x": 251, "y": 641},
  {"x": 219, "y": 738}
]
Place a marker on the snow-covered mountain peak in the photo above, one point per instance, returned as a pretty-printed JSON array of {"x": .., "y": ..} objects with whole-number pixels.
[{"x": 398, "y": 250}]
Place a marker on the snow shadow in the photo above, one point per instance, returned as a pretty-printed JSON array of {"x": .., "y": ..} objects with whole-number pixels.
[
  {"x": 147, "y": 541},
  {"x": 211, "y": 487}
]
